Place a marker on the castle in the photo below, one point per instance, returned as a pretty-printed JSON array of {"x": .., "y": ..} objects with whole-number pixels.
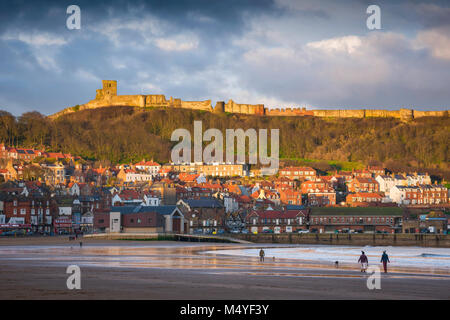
[{"x": 107, "y": 96}]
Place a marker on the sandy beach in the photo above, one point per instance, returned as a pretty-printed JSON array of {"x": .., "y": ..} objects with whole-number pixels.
[{"x": 35, "y": 268}]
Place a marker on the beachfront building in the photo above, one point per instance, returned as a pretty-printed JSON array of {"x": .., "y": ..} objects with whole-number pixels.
[
  {"x": 276, "y": 221},
  {"x": 356, "y": 219},
  {"x": 141, "y": 219},
  {"x": 431, "y": 222},
  {"x": 205, "y": 215}
]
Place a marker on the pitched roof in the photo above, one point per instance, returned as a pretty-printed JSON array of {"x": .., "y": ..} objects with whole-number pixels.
[
  {"x": 203, "y": 203},
  {"x": 164, "y": 210},
  {"x": 274, "y": 214},
  {"x": 358, "y": 211}
]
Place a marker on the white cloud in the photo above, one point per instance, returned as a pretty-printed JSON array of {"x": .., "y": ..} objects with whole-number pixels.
[
  {"x": 87, "y": 76},
  {"x": 348, "y": 44},
  {"x": 43, "y": 46},
  {"x": 144, "y": 32},
  {"x": 436, "y": 40},
  {"x": 36, "y": 39},
  {"x": 176, "y": 45}
]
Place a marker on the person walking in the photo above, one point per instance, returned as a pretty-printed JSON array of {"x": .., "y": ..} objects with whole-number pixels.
[
  {"x": 364, "y": 261},
  {"x": 261, "y": 255},
  {"x": 385, "y": 260}
]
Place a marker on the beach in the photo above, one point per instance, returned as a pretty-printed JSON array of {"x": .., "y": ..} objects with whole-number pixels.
[{"x": 35, "y": 268}]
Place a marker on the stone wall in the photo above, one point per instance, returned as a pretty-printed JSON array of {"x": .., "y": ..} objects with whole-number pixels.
[
  {"x": 339, "y": 113},
  {"x": 420, "y": 114},
  {"x": 233, "y": 107},
  {"x": 400, "y": 239},
  {"x": 289, "y": 112},
  {"x": 197, "y": 105},
  {"x": 156, "y": 100}
]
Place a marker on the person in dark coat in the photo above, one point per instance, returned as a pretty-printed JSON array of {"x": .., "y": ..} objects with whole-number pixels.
[
  {"x": 261, "y": 255},
  {"x": 385, "y": 260},
  {"x": 364, "y": 261}
]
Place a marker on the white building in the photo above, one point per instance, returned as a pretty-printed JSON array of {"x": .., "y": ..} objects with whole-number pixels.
[
  {"x": 385, "y": 182},
  {"x": 149, "y": 167},
  {"x": 230, "y": 204}
]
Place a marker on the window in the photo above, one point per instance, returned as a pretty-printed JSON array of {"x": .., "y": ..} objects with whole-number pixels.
[{"x": 23, "y": 211}]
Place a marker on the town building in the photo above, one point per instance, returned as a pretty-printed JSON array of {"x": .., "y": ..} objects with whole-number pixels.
[
  {"x": 418, "y": 195},
  {"x": 363, "y": 185},
  {"x": 141, "y": 219},
  {"x": 204, "y": 215},
  {"x": 359, "y": 198},
  {"x": 356, "y": 219},
  {"x": 298, "y": 173},
  {"x": 276, "y": 221}
]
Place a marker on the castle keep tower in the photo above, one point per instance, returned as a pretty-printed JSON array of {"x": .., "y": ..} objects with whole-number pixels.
[{"x": 109, "y": 89}]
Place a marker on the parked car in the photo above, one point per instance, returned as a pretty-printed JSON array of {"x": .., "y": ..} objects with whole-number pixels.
[
  {"x": 245, "y": 231},
  {"x": 303, "y": 231}
]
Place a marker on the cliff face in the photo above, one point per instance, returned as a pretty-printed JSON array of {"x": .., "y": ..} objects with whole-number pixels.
[{"x": 107, "y": 96}]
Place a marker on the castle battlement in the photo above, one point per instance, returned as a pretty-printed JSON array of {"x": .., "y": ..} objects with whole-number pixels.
[{"x": 107, "y": 96}]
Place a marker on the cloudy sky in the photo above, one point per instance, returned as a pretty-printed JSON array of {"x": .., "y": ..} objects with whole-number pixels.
[{"x": 318, "y": 54}]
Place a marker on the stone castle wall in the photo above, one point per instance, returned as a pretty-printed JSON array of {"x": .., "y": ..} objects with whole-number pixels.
[
  {"x": 288, "y": 112},
  {"x": 233, "y": 107},
  {"x": 107, "y": 96},
  {"x": 197, "y": 105}
]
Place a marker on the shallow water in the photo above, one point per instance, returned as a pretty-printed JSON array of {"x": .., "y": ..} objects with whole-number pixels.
[
  {"x": 399, "y": 256},
  {"x": 221, "y": 258}
]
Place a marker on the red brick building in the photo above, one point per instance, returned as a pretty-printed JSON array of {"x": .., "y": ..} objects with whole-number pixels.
[
  {"x": 345, "y": 219},
  {"x": 322, "y": 199},
  {"x": 276, "y": 221},
  {"x": 359, "y": 198},
  {"x": 363, "y": 185},
  {"x": 290, "y": 196}
]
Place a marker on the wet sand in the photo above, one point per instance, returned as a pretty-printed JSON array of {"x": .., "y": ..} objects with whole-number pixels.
[{"x": 35, "y": 268}]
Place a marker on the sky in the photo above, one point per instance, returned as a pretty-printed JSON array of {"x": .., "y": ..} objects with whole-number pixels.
[{"x": 282, "y": 53}]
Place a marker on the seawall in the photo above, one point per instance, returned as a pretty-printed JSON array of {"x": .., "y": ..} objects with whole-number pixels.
[{"x": 419, "y": 240}]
